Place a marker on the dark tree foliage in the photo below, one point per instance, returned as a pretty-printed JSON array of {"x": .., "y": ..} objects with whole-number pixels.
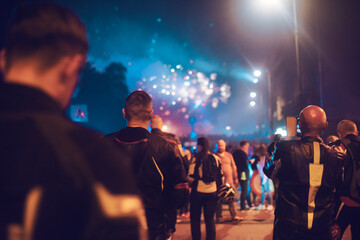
[{"x": 104, "y": 93}]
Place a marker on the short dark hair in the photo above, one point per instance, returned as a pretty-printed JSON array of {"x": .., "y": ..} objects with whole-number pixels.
[
  {"x": 243, "y": 142},
  {"x": 204, "y": 143},
  {"x": 46, "y": 31},
  {"x": 138, "y": 105},
  {"x": 346, "y": 127}
]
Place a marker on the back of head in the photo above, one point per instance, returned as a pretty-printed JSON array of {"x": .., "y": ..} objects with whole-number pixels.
[
  {"x": 205, "y": 146},
  {"x": 46, "y": 33},
  {"x": 312, "y": 121},
  {"x": 221, "y": 146},
  {"x": 261, "y": 150},
  {"x": 138, "y": 106},
  {"x": 156, "y": 122},
  {"x": 346, "y": 127},
  {"x": 244, "y": 142}
]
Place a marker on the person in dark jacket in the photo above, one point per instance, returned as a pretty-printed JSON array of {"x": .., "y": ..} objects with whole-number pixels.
[
  {"x": 349, "y": 211},
  {"x": 156, "y": 125},
  {"x": 56, "y": 176},
  {"x": 241, "y": 160},
  {"x": 308, "y": 172},
  {"x": 160, "y": 174}
]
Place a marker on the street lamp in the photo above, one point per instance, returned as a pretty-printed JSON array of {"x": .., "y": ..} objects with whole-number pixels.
[{"x": 276, "y": 4}]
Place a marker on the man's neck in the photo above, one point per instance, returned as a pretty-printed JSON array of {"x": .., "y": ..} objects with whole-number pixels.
[
  {"x": 141, "y": 124},
  {"x": 244, "y": 150}
]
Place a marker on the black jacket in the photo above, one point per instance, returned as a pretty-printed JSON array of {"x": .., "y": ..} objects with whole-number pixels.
[
  {"x": 290, "y": 164},
  {"x": 39, "y": 147},
  {"x": 354, "y": 147},
  {"x": 241, "y": 161},
  {"x": 159, "y": 173}
]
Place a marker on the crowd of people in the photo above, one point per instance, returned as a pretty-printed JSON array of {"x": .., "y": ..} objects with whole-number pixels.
[{"x": 62, "y": 181}]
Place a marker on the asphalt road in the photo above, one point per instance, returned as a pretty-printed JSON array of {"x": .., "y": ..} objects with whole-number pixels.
[{"x": 257, "y": 225}]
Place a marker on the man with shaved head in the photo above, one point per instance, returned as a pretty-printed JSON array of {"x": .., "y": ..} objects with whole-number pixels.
[
  {"x": 308, "y": 172},
  {"x": 349, "y": 211},
  {"x": 159, "y": 172},
  {"x": 230, "y": 176}
]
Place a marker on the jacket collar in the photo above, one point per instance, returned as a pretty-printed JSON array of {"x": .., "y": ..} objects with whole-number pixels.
[{"x": 311, "y": 139}]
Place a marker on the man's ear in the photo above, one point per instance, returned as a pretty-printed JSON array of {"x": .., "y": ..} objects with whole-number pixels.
[
  {"x": 2, "y": 61},
  {"x": 71, "y": 66},
  {"x": 123, "y": 112},
  {"x": 339, "y": 134},
  {"x": 151, "y": 114}
]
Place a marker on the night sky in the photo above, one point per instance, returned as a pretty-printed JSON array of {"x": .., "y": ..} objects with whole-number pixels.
[{"x": 230, "y": 38}]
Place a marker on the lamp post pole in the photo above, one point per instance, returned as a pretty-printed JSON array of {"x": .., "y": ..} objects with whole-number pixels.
[{"x": 296, "y": 36}]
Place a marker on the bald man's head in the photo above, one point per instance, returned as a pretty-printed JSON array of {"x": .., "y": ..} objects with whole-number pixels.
[
  {"x": 156, "y": 122},
  {"x": 221, "y": 146},
  {"x": 312, "y": 121},
  {"x": 346, "y": 127}
]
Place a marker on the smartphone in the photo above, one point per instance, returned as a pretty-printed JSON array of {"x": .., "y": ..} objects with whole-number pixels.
[{"x": 291, "y": 126}]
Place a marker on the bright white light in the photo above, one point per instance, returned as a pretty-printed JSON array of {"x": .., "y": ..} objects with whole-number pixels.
[
  {"x": 163, "y": 90},
  {"x": 213, "y": 76},
  {"x": 178, "y": 66},
  {"x": 164, "y": 128},
  {"x": 168, "y": 93},
  {"x": 154, "y": 86},
  {"x": 163, "y": 76},
  {"x": 252, "y": 103},
  {"x": 228, "y": 128},
  {"x": 257, "y": 73},
  {"x": 268, "y": 5},
  {"x": 172, "y": 70},
  {"x": 256, "y": 80},
  {"x": 173, "y": 102},
  {"x": 187, "y": 84},
  {"x": 173, "y": 93},
  {"x": 281, "y": 131},
  {"x": 190, "y": 72},
  {"x": 253, "y": 94}
]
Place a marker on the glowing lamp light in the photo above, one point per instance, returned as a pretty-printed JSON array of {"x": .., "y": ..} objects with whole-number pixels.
[
  {"x": 172, "y": 70},
  {"x": 164, "y": 128},
  {"x": 173, "y": 102},
  {"x": 190, "y": 72},
  {"x": 281, "y": 131},
  {"x": 228, "y": 128},
  {"x": 187, "y": 84},
  {"x": 257, "y": 73},
  {"x": 268, "y": 5},
  {"x": 256, "y": 80},
  {"x": 252, "y": 103},
  {"x": 193, "y": 135},
  {"x": 178, "y": 66},
  {"x": 253, "y": 94},
  {"x": 154, "y": 86}
]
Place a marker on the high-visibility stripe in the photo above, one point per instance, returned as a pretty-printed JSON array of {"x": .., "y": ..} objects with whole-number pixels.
[
  {"x": 31, "y": 210},
  {"x": 315, "y": 176},
  {"x": 339, "y": 210},
  {"x": 161, "y": 175}
]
